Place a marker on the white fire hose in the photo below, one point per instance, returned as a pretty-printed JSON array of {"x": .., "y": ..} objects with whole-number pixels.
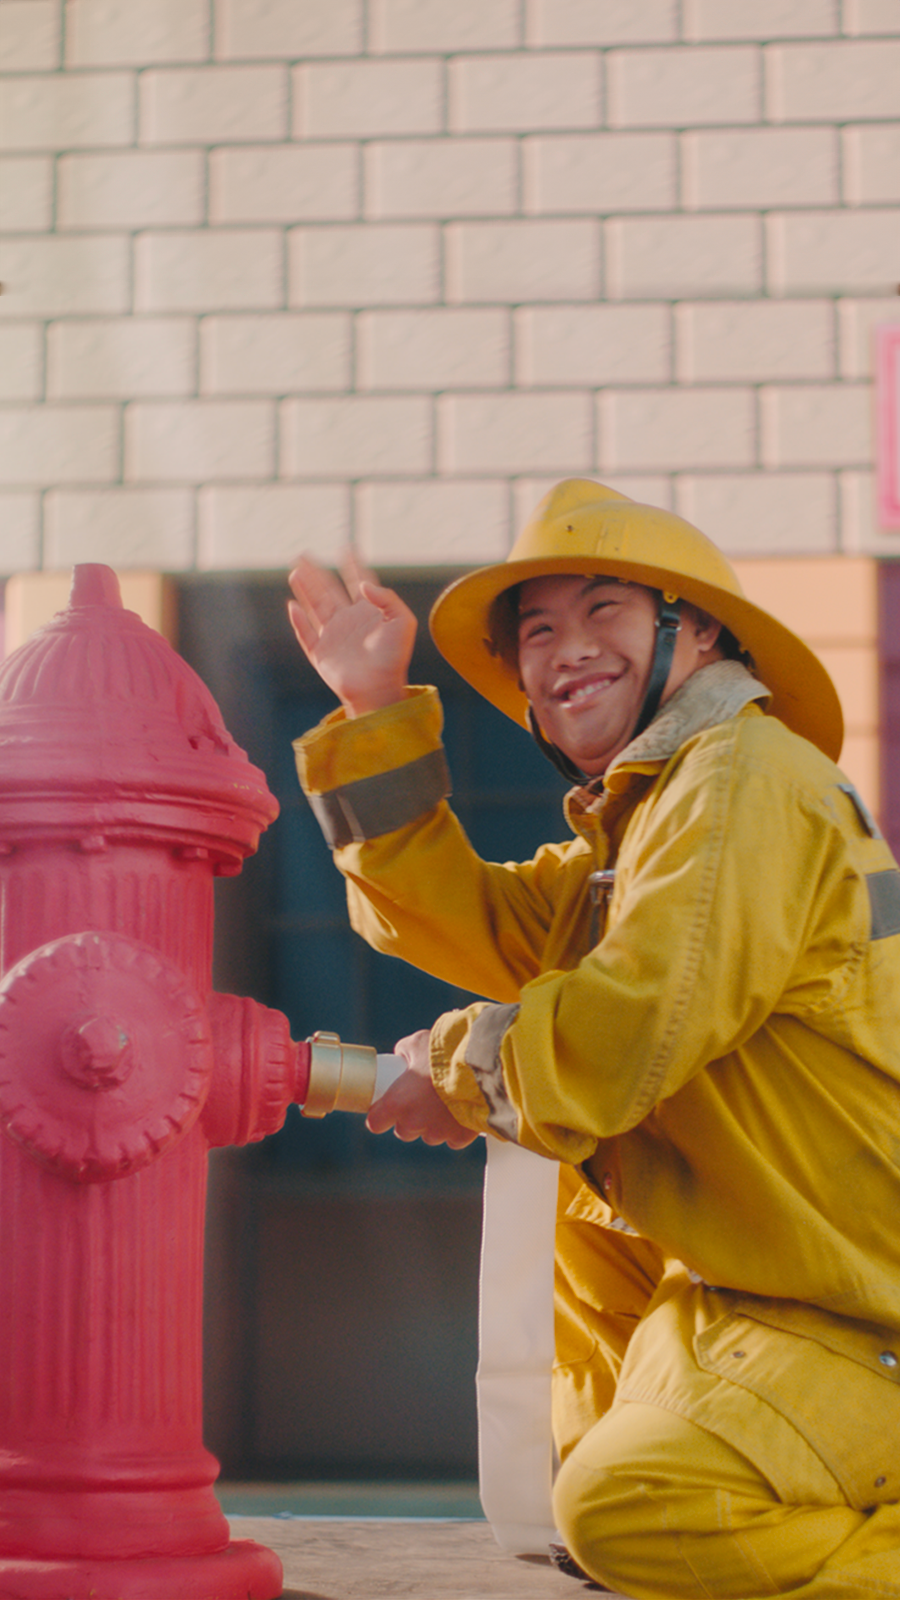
[{"x": 516, "y": 1337}]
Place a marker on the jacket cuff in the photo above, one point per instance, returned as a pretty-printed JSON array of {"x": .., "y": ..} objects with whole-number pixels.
[
  {"x": 367, "y": 776},
  {"x": 374, "y": 806},
  {"x": 465, "y": 1067}
]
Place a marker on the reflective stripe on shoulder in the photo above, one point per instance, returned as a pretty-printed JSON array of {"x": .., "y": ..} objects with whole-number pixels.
[
  {"x": 377, "y": 805},
  {"x": 884, "y": 899}
]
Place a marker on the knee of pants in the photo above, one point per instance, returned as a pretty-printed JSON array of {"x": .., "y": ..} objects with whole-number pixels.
[{"x": 653, "y": 1505}]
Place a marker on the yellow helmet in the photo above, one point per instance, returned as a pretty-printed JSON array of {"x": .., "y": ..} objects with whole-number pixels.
[{"x": 583, "y": 527}]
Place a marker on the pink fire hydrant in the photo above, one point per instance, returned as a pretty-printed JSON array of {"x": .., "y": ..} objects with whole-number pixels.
[{"x": 122, "y": 797}]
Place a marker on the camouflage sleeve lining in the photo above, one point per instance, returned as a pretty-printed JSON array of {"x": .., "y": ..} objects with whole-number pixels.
[
  {"x": 380, "y": 804},
  {"x": 483, "y": 1056}
]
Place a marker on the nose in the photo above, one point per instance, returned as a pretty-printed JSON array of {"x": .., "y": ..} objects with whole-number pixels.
[{"x": 574, "y": 644}]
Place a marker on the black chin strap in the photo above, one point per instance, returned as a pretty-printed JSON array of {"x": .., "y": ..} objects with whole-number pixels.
[
  {"x": 668, "y": 622},
  {"x": 570, "y": 772}
]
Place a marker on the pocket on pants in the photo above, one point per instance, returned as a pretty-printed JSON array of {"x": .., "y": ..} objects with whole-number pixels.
[{"x": 844, "y": 1401}]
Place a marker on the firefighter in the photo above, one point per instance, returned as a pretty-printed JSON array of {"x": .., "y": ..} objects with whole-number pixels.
[{"x": 693, "y": 1006}]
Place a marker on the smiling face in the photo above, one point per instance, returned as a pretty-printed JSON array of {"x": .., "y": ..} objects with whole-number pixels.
[{"x": 585, "y": 647}]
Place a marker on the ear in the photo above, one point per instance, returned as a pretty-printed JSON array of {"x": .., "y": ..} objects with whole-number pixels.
[{"x": 706, "y": 629}]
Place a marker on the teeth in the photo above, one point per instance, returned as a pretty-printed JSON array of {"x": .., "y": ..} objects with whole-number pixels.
[{"x": 583, "y": 693}]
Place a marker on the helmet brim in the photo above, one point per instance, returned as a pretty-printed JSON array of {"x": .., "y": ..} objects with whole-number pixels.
[{"x": 803, "y": 695}]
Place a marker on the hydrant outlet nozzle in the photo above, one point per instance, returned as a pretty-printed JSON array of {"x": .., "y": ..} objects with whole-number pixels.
[{"x": 341, "y": 1076}]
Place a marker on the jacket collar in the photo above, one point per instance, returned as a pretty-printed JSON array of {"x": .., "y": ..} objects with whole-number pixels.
[{"x": 706, "y": 698}]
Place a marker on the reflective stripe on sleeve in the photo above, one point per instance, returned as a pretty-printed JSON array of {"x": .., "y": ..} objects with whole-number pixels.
[
  {"x": 377, "y": 805},
  {"x": 483, "y": 1056},
  {"x": 884, "y": 899}
]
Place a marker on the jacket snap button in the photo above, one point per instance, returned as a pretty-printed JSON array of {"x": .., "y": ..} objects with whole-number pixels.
[
  {"x": 887, "y": 1358},
  {"x": 738, "y": 1355},
  {"x": 880, "y": 1483}
]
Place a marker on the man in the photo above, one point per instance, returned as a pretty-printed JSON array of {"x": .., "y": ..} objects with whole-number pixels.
[{"x": 694, "y": 1007}]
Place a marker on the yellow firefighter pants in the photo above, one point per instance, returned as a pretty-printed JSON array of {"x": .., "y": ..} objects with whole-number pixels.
[{"x": 652, "y": 1504}]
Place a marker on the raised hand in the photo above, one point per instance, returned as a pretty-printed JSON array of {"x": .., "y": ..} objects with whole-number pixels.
[{"x": 358, "y": 635}]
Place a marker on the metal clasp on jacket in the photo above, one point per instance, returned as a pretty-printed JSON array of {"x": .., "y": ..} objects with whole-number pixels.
[{"x": 601, "y": 886}]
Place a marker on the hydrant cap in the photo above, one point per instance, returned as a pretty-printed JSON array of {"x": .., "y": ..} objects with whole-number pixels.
[{"x": 102, "y": 722}]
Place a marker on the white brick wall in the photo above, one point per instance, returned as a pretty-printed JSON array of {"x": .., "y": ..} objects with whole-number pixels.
[
  {"x": 30, "y": 35},
  {"x": 102, "y": 358},
  {"x": 26, "y": 193},
  {"x": 280, "y": 273},
  {"x": 107, "y": 33}
]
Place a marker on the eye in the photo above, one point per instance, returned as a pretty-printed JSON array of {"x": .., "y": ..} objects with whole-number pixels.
[{"x": 533, "y": 631}]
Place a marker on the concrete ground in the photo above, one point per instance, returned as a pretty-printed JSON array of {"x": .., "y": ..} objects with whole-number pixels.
[{"x": 333, "y": 1558}]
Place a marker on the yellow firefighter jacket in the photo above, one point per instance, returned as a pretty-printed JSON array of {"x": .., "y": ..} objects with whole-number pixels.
[{"x": 717, "y": 1049}]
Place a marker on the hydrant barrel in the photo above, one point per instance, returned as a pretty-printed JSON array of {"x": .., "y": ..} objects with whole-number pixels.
[{"x": 122, "y": 796}]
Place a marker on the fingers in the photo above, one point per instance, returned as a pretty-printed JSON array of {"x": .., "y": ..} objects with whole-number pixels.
[
  {"x": 318, "y": 591},
  {"x": 355, "y": 573}
]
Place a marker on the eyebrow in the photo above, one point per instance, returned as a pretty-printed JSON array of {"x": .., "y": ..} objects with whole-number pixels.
[{"x": 599, "y": 581}]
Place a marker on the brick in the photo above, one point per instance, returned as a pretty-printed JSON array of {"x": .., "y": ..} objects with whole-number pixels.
[
  {"x": 58, "y": 444},
  {"x": 816, "y": 425},
  {"x": 422, "y": 25},
  {"x": 131, "y": 189},
  {"x": 561, "y": 22},
  {"x": 441, "y": 177},
  {"x": 267, "y": 527},
  {"x": 732, "y": 169},
  {"x": 30, "y": 35},
  {"x": 522, "y": 260},
  {"x": 432, "y": 523},
  {"x": 51, "y": 276},
  {"x": 506, "y": 93},
  {"x": 683, "y": 257},
  {"x": 678, "y": 87},
  {"x": 441, "y": 349},
  {"x": 515, "y": 433},
  {"x": 121, "y": 358},
  {"x": 759, "y": 19},
  {"x": 755, "y": 341},
  {"x": 833, "y": 251},
  {"x": 284, "y": 183},
  {"x": 26, "y": 193},
  {"x": 832, "y": 82},
  {"x": 111, "y": 33},
  {"x": 598, "y": 172},
  {"x": 67, "y": 111},
  {"x": 20, "y": 532},
  {"x": 367, "y": 99},
  {"x": 195, "y": 441},
  {"x": 211, "y": 269},
  {"x": 21, "y": 361},
  {"x": 857, "y": 321},
  {"x": 121, "y": 527},
  {"x": 593, "y": 345},
  {"x": 872, "y": 164},
  {"x": 651, "y": 429},
  {"x": 356, "y": 437},
  {"x": 375, "y": 264},
  {"x": 277, "y": 354},
  {"x": 281, "y": 29},
  {"x": 764, "y": 513},
  {"x": 209, "y": 105},
  {"x": 871, "y": 16},
  {"x": 860, "y": 531}
]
